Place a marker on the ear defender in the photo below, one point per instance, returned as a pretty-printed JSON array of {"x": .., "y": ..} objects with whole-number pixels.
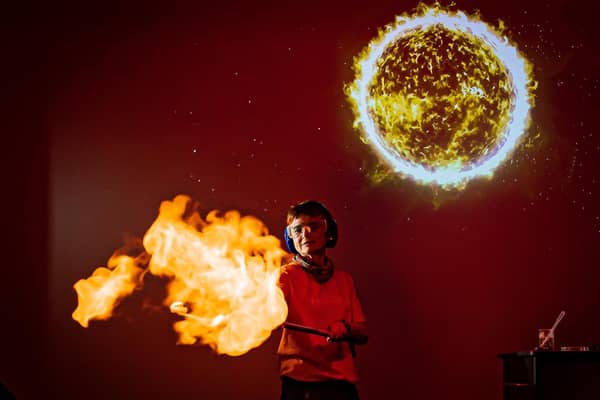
[
  {"x": 289, "y": 242},
  {"x": 332, "y": 232}
]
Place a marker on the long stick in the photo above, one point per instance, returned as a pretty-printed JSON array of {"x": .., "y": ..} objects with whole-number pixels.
[
  {"x": 180, "y": 309},
  {"x": 305, "y": 329}
]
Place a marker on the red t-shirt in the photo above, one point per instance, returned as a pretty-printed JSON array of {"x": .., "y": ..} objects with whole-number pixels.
[{"x": 307, "y": 357}]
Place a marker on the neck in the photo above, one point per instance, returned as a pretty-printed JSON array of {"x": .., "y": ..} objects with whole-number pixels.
[
  {"x": 321, "y": 268},
  {"x": 317, "y": 258}
]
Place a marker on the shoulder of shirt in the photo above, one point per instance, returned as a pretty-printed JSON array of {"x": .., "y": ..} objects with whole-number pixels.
[{"x": 291, "y": 267}]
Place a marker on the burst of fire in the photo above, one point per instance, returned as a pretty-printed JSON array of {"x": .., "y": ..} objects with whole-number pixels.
[
  {"x": 442, "y": 97},
  {"x": 98, "y": 295},
  {"x": 223, "y": 273}
]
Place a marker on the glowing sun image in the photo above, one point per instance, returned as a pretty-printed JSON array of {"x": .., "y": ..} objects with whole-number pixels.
[{"x": 441, "y": 97}]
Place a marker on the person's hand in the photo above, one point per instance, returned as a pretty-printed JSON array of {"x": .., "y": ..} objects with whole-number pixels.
[{"x": 338, "y": 330}]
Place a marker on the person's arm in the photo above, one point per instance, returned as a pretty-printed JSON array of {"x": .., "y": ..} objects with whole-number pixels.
[{"x": 355, "y": 332}]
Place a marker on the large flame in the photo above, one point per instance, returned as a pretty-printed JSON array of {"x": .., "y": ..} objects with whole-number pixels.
[
  {"x": 223, "y": 273},
  {"x": 442, "y": 97},
  {"x": 98, "y": 295}
]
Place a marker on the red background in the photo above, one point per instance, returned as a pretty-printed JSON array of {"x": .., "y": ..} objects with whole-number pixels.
[{"x": 114, "y": 109}]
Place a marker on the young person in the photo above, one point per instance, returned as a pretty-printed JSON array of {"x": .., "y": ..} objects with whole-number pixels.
[{"x": 321, "y": 296}]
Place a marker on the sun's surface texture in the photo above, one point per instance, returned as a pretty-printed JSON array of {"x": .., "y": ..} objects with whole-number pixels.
[{"x": 442, "y": 97}]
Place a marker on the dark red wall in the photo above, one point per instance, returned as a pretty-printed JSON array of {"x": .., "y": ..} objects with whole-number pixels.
[{"x": 118, "y": 100}]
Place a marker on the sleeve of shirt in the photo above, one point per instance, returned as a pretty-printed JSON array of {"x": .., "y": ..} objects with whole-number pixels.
[
  {"x": 284, "y": 284},
  {"x": 357, "y": 312}
]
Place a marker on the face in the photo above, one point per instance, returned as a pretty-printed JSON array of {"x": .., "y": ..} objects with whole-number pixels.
[{"x": 309, "y": 234}]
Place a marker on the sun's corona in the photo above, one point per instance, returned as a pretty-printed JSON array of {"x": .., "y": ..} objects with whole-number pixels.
[{"x": 441, "y": 97}]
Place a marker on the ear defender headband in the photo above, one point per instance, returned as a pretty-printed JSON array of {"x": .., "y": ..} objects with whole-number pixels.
[{"x": 332, "y": 228}]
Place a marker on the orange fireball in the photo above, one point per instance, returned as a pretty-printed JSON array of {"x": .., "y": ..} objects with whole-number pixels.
[
  {"x": 223, "y": 272},
  {"x": 99, "y": 294}
]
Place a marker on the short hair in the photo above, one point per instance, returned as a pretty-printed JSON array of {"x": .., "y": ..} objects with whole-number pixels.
[{"x": 312, "y": 208}]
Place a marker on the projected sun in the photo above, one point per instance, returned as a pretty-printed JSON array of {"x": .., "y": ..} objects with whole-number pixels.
[{"x": 441, "y": 97}]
